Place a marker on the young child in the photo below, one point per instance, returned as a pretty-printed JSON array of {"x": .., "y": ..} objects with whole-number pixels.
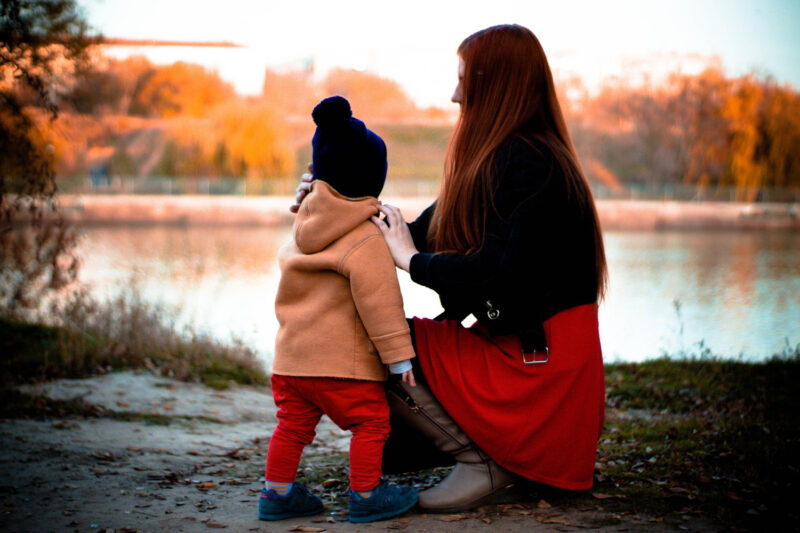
[{"x": 341, "y": 322}]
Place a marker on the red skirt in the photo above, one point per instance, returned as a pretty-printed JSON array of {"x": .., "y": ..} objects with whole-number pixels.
[{"x": 541, "y": 421}]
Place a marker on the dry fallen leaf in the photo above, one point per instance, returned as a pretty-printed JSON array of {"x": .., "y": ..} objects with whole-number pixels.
[
  {"x": 206, "y": 485},
  {"x": 452, "y": 518},
  {"x": 561, "y": 521},
  {"x": 543, "y": 505},
  {"x": 103, "y": 456},
  {"x": 216, "y": 525},
  {"x": 678, "y": 490},
  {"x": 603, "y": 496},
  {"x": 237, "y": 454},
  {"x": 487, "y": 521},
  {"x": 400, "y": 524},
  {"x": 308, "y": 529}
]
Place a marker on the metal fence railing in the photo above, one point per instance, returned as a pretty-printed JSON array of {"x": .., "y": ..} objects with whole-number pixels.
[
  {"x": 693, "y": 193},
  {"x": 405, "y": 188},
  {"x": 221, "y": 186}
]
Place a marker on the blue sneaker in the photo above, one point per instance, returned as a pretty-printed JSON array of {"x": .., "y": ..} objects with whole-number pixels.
[
  {"x": 298, "y": 502},
  {"x": 386, "y": 501}
]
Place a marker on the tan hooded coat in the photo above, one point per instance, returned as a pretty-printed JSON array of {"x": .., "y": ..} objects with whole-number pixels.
[{"x": 338, "y": 299}]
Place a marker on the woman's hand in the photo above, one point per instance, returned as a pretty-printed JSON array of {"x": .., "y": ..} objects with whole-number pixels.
[
  {"x": 397, "y": 236},
  {"x": 303, "y": 189}
]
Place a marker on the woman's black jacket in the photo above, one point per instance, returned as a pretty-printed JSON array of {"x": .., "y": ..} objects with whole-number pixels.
[{"x": 538, "y": 255}]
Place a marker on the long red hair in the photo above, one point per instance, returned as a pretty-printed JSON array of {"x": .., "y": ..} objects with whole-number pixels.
[{"x": 507, "y": 88}]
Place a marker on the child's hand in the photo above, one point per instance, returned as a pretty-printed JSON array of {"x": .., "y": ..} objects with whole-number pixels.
[
  {"x": 303, "y": 189},
  {"x": 408, "y": 377}
]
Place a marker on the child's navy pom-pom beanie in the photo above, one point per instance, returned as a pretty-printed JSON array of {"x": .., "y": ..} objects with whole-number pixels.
[{"x": 346, "y": 155}]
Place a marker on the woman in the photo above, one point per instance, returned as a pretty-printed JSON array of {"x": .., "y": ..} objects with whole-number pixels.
[{"x": 514, "y": 240}]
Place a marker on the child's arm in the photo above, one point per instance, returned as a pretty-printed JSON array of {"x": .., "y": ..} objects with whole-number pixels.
[
  {"x": 376, "y": 294},
  {"x": 404, "y": 367}
]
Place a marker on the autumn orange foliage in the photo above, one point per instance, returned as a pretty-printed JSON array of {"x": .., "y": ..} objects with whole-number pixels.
[
  {"x": 180, "y": 89},
  {"x": 704, "y": 129},
  {"x": 256, "y": 139},
  {"x": 293, "y": 92},
  {"x": 134, "y": 118},
  {"x": 375, "y": 98}
]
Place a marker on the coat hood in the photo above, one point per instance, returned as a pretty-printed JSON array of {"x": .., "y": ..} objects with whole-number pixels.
[{"x": 325, "y": 215}]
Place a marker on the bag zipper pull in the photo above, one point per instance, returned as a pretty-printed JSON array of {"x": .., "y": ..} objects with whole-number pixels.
[{"x": 493, "y": 313}]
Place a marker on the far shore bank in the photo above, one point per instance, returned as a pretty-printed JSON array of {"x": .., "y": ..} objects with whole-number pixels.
[{"x": 273, "y": 210}]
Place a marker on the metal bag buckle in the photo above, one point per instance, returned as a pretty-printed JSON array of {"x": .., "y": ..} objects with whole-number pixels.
[{"x": 534, "y": 360}]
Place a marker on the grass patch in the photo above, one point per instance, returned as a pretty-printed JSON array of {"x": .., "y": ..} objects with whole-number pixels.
[
  {"x": 327, "y": 477},
  {"x": 717, "y": 438},
  {"x": 157, "y": 419},
  {"x": 415, "y": 153},
  {"x": 606, "y": 521},
  {"x": 416, "y": 134},
  {"x": 83, "y": 337},
  {"x": 15, "y": 404}
]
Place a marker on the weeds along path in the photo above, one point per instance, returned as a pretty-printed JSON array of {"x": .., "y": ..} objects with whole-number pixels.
[{"x": 137, "y": 452}]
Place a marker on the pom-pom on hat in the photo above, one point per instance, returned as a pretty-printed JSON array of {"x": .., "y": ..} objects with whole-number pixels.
[{"x": 346, "y": 155}]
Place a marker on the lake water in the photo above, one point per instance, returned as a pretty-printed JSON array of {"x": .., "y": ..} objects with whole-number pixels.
[{"x": 737, "y": 292}]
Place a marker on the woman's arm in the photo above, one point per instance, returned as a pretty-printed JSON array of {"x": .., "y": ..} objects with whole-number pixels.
[
  {"x": 505, "y": 240},
  {"x": 397, "y": 235},
  {"x": 450, "y": 273},
  {"x": 518, "y": 225},
  {"x": 419, "y": 228}
]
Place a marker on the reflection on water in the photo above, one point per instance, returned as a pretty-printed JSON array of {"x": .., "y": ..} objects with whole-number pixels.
[
  {"x": 739, "y": 292},
  {"x": 221, "y": 280}
]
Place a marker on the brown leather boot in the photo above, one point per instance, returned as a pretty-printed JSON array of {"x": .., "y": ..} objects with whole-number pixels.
[{"x": 476, "y": 479}]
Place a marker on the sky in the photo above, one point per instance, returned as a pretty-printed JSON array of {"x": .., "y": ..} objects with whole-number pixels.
[{"x": 414, "y": 42}]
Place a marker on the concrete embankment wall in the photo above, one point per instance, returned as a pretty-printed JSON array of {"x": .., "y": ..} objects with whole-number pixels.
[
  {"x": 640, "y": 214},
  {"x": 270, "y": 210}
]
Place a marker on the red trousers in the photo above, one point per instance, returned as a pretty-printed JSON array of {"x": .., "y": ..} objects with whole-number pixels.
[{"x": 357, "y": 406}]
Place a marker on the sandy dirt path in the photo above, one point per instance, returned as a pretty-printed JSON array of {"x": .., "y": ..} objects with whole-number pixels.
[{"x": 172, "y": 456}]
